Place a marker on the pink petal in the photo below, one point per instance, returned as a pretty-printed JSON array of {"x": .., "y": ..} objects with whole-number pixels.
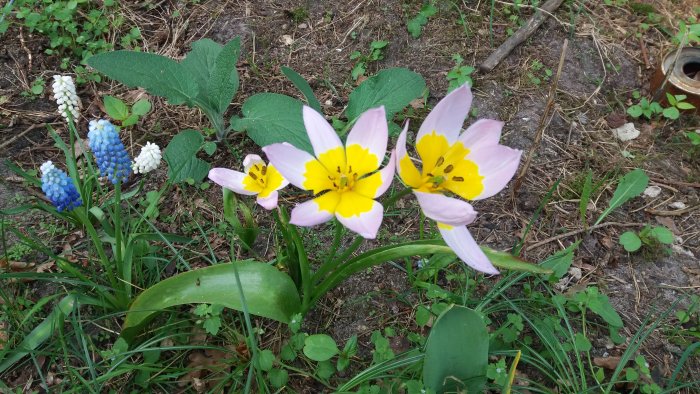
[
  {"x": 448, "y": 115},
  {"x": 481, "y": 134},
  {"x": 309, "y": 214},
  {"x": 321, "y": 134},
  {"x": 445, "y": 209},
  {"x": 251, "y": 160},
  {"x": 387, "y": 174},
  {"x": 371, "y": 131},
  {"x": 269, "y": 202},
  {"x": 290, "y": 161},
  {"x": 463, "y": 244},
  {"x": 229, "y": 179},
  {"x": 497, "y": 164},
  {"x": 367, "y": 223}
]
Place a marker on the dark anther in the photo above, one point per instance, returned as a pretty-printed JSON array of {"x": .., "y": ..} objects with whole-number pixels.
[
  {"x": 440, "y": 161},
  {"x": 458, "y": 179},
  {"x": 449, "y": 169},
  {"x": 252, "y": 175},
  {"x": 264, "y": 170}
]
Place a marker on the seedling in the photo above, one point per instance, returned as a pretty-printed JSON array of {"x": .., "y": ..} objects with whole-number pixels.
[
  {"x": 119, "y": 111},
  {"x": 376, "y": 52},
  {"x": 677, "y": 104},
  {"x": 644, "y": 107},
  {"x": 650, "y": 237},
  {"x": 459, "y": 75},
  {"x": 210, "y": 317},
  {"x": 538, "y": 73},
  {"x": 415, "y": 25}
]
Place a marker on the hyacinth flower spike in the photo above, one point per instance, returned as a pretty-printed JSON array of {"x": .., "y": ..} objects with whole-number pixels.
[
  {"x": 148, "y": 159},
  {"x": 471, "y": 165},
  {"x": 110, "y": 154},
  {"x": 59, "y": 188},
  {"x": 345, "y": 179},
  {"x": 258, "y": 179}
]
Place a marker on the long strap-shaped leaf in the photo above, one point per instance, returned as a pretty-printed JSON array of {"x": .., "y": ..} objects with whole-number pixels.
[{"x": 268, "y": 292}]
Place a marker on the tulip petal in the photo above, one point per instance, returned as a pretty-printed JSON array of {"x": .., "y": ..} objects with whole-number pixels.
[
  {"x": 448, "y": 115},
  {"x": 269, "y": 202},
  {"x": 275, "y": 180},
  {"x": 366, "y": 223},
  {"x": 462, "y": 243},
  {"x": 251, "y": 160},
  {"x": 481, "y": 134},
  {"x": 497, "y": 164},
  {"x": 445, "y": 209},
  {"x": 323, "y": 139},
  {"x": 376, "y": 184},
  {"x": 407, "y": 170},
  {"x": 316, "y": 211},
  {"x": 366, "y": 143},
  {"x": 292, "y": 163},
  {"x": 230, "y": 179}
]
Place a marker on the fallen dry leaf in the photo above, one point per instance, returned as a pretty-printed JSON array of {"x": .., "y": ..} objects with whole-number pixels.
[{"x": 607, "y": 362}]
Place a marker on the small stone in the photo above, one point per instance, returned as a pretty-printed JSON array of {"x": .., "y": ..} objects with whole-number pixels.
[
  {"x": 652, "y": 191},
  {"x": 626, "y": 132},
  {"x": 677, "y": 205},
  {"x": 287, "y": 40},
  {"x": 303, "y": 25},
  {"x": 575, "y": 273}
]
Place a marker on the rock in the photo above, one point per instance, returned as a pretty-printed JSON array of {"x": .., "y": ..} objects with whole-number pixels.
[
  {"x": 626, "y": 132},
  {"x": 677, "y": 205},
  {"x": 287, "y": 40},
  {"x": 652, "y": 191}
]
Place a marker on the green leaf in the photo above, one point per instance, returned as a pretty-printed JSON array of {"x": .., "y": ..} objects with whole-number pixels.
[
  {"x": 278, "y": 377},
  {"x": 662, "y": 234},
  {"x": 41, "y": 333},
  {"x": 268, "y": 293},
  {"x": 265, "y": 359},
  {"x": 582, "y": 343},
  {"x": 270, "y": 118},
  {"x": 157, "y": 74},
  {"x": 635, "y": 111},
  {"x": 585, "y": 195},
  {"x": 561, "y": 261},
  {"x": 456, "y": 352},
  {"x": 320, "y": 347},
  {"x": 209, "y": 147},
  {"x": 394, "y": 88},
  {"x": 600, "y": 304},
  {"x": 130, "y": 120},
  {"x": 141, "y": 107},
  {"x": 223, "y": 83},
  {"x": 671, "y": 99},
  {"x": 630, "y": 241},
  {"x": 671, "y": 113},
  {"x": 303, "y": 87},
  {"x": 422, "y": 315},
  {"x": 180, "y": 154},
  {"x": 507, "y": 261},
  {"x": 116, "y": 109},
  {"x": 685, "y": 105},
  {"x": 631, "y": 185},
  {"x": 201, "y": 61},
  {"x": 212, "y": 325}
]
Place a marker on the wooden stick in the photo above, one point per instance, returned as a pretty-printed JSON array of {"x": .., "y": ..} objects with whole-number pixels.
[
  {"x": 543, "y": 122},
  {"x": 520, "y": 36}
]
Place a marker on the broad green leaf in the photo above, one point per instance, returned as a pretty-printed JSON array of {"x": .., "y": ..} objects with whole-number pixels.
[
  {"x": 685, "y": 105},
  {"x": 157, "y": 74},
  {"x": 671, "y": 113},
  {"x": 223, "y": 82},
  {"x": 394, "y": 88},
  {"x": 200, "y": 62},
  {"x": 41, "y": 333},
  {"x": 181, "y": 156},
  {"x": 116, "y": 109},
  {"x": 662, "y": 234},
  {"x": 303, "y": 87},
  {"x": 265, "y": 359},
  {"x": 635, "y": 111},
  {"x": 631, "y": 185},
  {"x": 141, "y": 107},
  {"x": 268, "y": 292},
  {"x": 130, "y": 120},
  {"x": 582, "y": 343},
  {"x": 270, "y": 118},
  {"x": 630, "y": 241},
  {"x": 320, "y": 347},
  {"x": 456, "y": 352}
]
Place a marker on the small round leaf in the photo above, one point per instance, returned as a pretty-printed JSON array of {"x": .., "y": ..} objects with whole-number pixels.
[
  {"x": 630, "y": 241},
  {"x": 320, "y": 347}
]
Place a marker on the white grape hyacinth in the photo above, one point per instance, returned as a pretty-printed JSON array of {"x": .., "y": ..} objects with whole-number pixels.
[
  {"x": 148, "y": 160},
  {"x": 65, "y": 96}
]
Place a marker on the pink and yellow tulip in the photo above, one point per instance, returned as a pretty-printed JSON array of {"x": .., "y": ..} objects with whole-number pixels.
[
  {"x": 257, "y": 179},
  {"x": 471, "y": 165},
  {"x": 345, "y": 179}
]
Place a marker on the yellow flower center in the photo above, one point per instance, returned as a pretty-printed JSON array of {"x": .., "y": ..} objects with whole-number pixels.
[
  {"x": 445, "y": 168},
  {"x": 262, "y": 179}
]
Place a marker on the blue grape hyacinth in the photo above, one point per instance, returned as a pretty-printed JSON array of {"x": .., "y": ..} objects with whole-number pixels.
[
  {"x": 109, "y": 151},
  {"x": 59, "y": 188}
]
